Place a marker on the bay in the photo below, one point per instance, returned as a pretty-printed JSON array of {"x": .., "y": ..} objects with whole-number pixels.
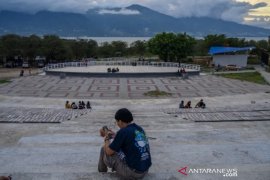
[{"x": 129, "y": 40}]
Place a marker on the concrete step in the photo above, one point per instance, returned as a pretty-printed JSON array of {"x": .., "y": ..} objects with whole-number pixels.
[
  {"x": 70, "y": 150},
  {"x": 245, "y": 172},
  {"x": 79, "y": 153},
  {"x": 88, "y": 176}
]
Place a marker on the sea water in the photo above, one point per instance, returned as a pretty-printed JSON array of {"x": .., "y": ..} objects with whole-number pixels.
[{"x": 129, "y": 40}]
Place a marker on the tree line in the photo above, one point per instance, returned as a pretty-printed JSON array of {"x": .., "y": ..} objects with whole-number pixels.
[{"x": 168, "y": 46}]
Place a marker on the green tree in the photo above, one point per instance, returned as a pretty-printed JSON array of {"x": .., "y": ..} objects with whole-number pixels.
[
  {"x": 31, "y": 47},
  {"x": 79, "y": 48},
  {"x": 251, "y": 43},
  {"x": 199, "y": 48},
  {"x": 235, "y": 42},
  {"x": 54, "y": 48},
  {"x": 105, "y": 50},
  {"x": 170, "y": 46},
  {"x": 183, "y": 46},
  {"x": 91, "y": 48},
  {"x": 262, "y": 44},
  {"x": 138, "y": 48},
  {"x": 84, "y": 48},
  {"x": 162, "y": 45},
  {"x": 214, "y": 40},
  {"x": 119, "y": 48},
  {"x": 11, "y": 46}
]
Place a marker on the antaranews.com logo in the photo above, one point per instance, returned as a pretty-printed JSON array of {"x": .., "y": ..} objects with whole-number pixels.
[{"x": 225, "y": 172}]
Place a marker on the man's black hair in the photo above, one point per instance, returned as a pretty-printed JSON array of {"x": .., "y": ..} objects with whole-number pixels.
[{"x": 124, "y": 115}]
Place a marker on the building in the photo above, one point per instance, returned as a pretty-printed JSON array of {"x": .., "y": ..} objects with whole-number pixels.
[
  {"x": 223, "y": 56},
  {"x": 40, "y": 61}
]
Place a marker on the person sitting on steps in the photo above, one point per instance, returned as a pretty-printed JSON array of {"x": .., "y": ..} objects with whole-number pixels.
[
  {"x": 181, "y": 105},
  {"x": 74, "y": 106},
  {"x": 83, "y": 104},
  {"x": 200, "y": 104},
  {"x": 80, "y": 105},
  {"x": 128, "y": 153},
  {"x": 88, "y": 105},
  {"x": 67, "y": 105},
  {"x": 188, "y": 105}
]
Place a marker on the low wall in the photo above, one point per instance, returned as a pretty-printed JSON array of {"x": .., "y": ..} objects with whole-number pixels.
[
  {"x": 117, "y": 74},
  {"x": 121, "y": 63}
]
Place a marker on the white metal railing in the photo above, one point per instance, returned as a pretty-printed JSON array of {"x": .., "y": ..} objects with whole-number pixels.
[{"x": 123, "y": 62}]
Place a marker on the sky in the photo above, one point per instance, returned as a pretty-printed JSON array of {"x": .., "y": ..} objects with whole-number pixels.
[{"x": 251, "y": 12}]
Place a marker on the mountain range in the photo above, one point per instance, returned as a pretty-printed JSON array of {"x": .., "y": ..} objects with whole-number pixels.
[{"x": 132, "y": 21}]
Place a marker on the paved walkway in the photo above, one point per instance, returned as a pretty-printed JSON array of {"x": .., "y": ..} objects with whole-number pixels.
[
  {"x": 126, "y": 88},
  {"x": 7, "y": 73}
]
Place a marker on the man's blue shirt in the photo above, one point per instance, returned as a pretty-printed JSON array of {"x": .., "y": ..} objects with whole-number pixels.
[{"x": 133, "y": 142}]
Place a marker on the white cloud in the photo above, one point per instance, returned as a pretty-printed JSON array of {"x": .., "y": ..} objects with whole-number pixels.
[
  {"x": 122, "y": 11},
  {"x": 232, "y": 10},
  {"x": 261, "y": 21}
]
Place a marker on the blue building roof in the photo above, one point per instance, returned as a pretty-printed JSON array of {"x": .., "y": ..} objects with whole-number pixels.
[{"x": 217, "y": 50}]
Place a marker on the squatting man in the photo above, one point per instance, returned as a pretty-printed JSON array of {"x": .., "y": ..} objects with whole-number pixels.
[{"x": 127, "y": 152}]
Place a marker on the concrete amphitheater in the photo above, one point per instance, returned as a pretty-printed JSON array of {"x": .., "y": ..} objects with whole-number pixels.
[{"x": 42, "y": 140}]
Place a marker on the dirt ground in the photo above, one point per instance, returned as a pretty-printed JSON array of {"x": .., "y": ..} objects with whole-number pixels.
[{"x": 7, "y": 73}]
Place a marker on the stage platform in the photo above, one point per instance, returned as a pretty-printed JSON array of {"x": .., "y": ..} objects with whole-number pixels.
[{"x": 124, "y": 71}]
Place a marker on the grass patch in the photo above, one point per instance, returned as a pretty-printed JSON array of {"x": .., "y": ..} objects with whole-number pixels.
[
  {"x": 254, "y": 77},
  {"x": 253, "y": 60},
  {"x": 157, "y": 93},
  {"x": 4, "y": 81}
]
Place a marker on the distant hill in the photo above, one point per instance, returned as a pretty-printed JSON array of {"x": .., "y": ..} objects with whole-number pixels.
[{"x": 134, "y": 20}]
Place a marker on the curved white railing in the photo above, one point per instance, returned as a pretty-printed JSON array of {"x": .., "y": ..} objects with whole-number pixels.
[{"x": 121, "y": 63}]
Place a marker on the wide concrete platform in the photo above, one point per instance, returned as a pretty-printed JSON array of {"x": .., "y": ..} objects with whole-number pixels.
[
  {"x": 127, "y": 88},
  {"x": 40, "y": 140},
  {"x": 122, "y": 69}
]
